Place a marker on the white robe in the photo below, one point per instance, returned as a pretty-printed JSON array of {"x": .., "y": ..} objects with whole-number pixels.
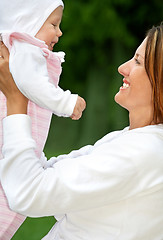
[{"x": 112, "y": 190}]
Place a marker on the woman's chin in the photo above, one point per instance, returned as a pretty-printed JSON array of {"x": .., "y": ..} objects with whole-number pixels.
[{"x": 119, "y": 99}]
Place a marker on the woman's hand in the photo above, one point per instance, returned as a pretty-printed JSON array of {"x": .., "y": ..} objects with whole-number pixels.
[{"x": 16, "y": 101}]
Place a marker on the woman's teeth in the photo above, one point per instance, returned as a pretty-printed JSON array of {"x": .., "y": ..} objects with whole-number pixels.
[{"x": 125, "y": 85}]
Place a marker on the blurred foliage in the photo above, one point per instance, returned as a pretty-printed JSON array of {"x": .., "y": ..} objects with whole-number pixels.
[{"x": 98, "y": 36}]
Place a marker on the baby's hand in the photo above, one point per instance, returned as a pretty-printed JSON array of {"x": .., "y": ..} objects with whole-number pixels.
[{"x": 79, "y": 108}]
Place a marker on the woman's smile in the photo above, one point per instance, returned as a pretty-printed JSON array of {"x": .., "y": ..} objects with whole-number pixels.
[{"x": 125, "y": 85}]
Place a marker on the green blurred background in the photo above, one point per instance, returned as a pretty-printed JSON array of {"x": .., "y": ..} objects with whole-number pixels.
[{"x": 98, "y": 36}]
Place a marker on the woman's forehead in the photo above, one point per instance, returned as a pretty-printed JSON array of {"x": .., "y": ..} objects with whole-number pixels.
[{"x": 141, "y": 49}]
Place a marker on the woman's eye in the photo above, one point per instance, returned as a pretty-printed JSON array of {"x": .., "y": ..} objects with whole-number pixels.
[{"x": 136, "y": 61}]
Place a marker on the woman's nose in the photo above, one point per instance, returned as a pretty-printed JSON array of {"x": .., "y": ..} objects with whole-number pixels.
[{"x": 123, "y": 69}]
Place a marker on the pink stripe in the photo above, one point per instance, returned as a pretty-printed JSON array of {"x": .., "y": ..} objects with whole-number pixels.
[
  {"x": 41, "y": 119},
  {"x": 10, "y": 220}
]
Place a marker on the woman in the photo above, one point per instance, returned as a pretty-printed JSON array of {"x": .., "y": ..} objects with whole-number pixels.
[{"x": 112, "y": 190}]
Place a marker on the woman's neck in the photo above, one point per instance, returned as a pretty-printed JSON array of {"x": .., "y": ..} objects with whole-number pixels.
[{"x": 140, "y": 119}]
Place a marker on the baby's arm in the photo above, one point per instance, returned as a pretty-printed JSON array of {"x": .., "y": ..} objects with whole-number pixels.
[{"x": 29, "y": 69}]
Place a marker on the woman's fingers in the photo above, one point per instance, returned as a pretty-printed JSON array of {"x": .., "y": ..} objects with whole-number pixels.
[
  {"x": 0, "y": 47},
  {"x": 4, "y": 53}
]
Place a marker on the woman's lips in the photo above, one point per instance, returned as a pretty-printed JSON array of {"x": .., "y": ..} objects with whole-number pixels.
[{"x": 126, "y": 84}]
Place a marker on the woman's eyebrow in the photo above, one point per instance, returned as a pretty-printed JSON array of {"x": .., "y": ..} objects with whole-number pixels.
[{"x": 138, "y": 55}]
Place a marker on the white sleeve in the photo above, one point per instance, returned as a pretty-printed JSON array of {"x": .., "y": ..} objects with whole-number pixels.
[
  {"x": 73, "y": 154},
  {"x": 72, "y": 185},
  {"x": 29, "y": 69},
  {"x": 83, "y": 151}
]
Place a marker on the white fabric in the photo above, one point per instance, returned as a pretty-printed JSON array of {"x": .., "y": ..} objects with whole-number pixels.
[
  {"x": 112, "y": 190},
  {"x": 34, "y": 82},
  {"x": 27, "y": 62},
  {"x": 25, "y": 16}
]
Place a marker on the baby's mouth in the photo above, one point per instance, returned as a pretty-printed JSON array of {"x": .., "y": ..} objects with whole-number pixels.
[{"x": 52, "y": 45}]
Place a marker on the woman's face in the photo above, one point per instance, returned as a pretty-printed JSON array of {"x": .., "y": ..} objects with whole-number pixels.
[{"x": 136, "y": 93}]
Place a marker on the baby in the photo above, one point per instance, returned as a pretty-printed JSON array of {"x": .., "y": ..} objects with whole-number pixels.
[{"x": 30, "y": 29}]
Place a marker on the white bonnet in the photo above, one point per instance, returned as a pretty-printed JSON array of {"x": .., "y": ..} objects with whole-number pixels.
[{"x": 25, "y": 15}]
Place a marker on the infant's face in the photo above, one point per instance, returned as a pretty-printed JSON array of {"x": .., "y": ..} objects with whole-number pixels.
[{"x": 50, "y": 30}]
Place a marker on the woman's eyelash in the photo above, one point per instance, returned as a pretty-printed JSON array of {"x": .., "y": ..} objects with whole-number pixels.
[{"x": 136, "y": 60}]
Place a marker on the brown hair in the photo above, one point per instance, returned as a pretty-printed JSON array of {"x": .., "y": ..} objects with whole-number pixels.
[{"x": 154, "y": 69}]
